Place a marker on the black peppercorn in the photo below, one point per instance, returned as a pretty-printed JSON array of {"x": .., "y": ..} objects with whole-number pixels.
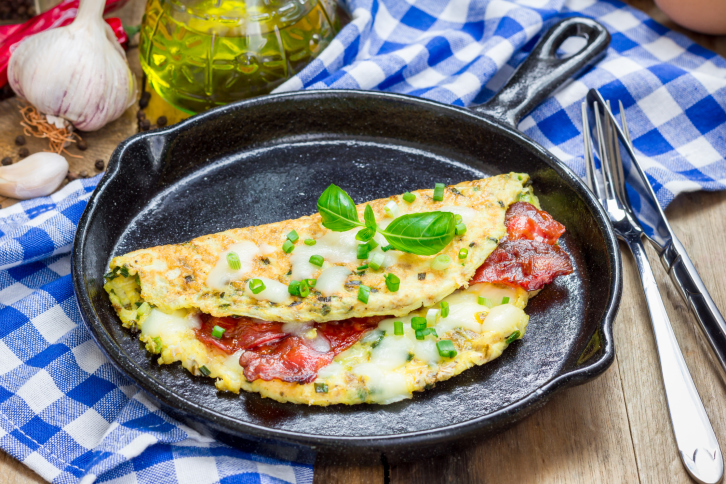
[
  {"x": 20, "y": 140},
  {"x": 145, "y": 124},
  {"x": 161, "y": 121},
  {"x": 144, "y": 101},
  {"x": 7, "y": 161},
  {"x": 23, "y": 152},
  {"x": 100, "y": 165},
  {"x": 83, "y": 174},
  {"x": 82, "y": 145},
  {"x": 140, "y": 115}
]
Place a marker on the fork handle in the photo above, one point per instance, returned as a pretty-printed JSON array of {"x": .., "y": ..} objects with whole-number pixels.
[
  {"x": 694, "y": 292},
  {"x": 697, "y": 444}
]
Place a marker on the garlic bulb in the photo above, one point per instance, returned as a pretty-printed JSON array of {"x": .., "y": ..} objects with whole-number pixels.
[
  {"x": 77, "y": 72},
  {"x": 35, "y": 176}
]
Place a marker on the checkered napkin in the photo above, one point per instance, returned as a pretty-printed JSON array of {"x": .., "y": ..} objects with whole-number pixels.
[
  {"x": 64, "y": 410},
  {"x": 66, "y": 413}
]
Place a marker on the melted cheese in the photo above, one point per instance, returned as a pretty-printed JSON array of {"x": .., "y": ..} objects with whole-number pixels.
[
  {"x": 159, "y": 323},
  {"x": 504, "y": 320},
  {"x": 274, "y": 291},
  {"x": 332, "y": 280},
  {"x": 222, "y": 274},
  {"x": 468, "y": 214},
  {"x": 384, "y": 386}
]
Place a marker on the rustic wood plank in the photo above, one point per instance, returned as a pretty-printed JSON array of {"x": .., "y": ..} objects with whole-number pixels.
[
  {"x": 698, "y": 220},
  {"x": 582, "y": 435},
  {"x": 329, "y": 471},
  {"x": 14, "y": 472}
]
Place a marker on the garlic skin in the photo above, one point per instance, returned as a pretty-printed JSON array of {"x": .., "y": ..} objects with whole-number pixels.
[
  {"x": 77, "y": 72},
  {"x": 37, "y": 175}
]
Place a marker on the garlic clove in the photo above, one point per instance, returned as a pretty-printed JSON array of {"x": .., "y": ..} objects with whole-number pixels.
[
  {"x": 37, "y": 175},
  {"x": 77, "y": 72}
]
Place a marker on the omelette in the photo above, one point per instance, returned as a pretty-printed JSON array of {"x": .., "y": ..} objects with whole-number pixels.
[{"x": 327, "y": 309}]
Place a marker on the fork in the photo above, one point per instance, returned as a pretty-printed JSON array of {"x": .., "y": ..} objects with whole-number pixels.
[{"x": 697, "y": 445}]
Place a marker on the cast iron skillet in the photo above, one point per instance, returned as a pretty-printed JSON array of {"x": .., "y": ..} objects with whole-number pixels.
[{"x": 268, "y": 159}]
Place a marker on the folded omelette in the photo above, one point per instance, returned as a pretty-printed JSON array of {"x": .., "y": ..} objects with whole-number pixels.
[{"x": 300, "y": 313}]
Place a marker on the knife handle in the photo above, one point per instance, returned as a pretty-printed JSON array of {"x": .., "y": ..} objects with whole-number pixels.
[{"x": 694, "y": 292}]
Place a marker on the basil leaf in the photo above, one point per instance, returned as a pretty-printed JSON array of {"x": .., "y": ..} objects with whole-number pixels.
[
  {"x": 424, "y": 233},
  {"x": 337, "y": 210},
  {"x": 365, "y": 235},
  {"x": 370, "y": 218}
]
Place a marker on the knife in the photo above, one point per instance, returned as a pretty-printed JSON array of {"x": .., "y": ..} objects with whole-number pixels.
[{"x": 673, "y": 255}]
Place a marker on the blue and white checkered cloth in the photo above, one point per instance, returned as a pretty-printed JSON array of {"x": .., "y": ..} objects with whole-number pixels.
[{"x": 66, "y": 413}]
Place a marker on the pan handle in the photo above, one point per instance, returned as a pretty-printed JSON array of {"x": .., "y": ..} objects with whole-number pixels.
[{"x": 543, "y": 72}]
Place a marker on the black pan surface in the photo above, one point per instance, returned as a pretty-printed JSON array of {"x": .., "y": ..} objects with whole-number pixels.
[{"x": 268, "y": 159}]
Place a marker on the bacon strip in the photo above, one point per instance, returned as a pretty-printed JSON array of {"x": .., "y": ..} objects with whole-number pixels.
[
  {"x": 527, "y": 263},
  {"x": 528, "y": 256},
  {"x": 270, "y": 353}
]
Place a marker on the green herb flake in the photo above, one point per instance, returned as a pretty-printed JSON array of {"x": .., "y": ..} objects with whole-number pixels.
[
  {"x": 257, "y": 286},
  {"x": 446, "y": 348},
  {"x": 364, "y": 293},
  {"x": 321, "y": 388},
  {"x": 512, "y": 337},
  {"x": 204, "y": 370},
  {"x": 288, "y": 246},
  {"x": 439, "y": 192}
]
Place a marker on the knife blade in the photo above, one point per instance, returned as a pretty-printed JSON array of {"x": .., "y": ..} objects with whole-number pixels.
[{"x": 671, "y": 252}]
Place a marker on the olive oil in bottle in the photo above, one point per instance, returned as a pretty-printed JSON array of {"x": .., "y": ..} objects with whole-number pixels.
[{"x": 198, "y": 54}]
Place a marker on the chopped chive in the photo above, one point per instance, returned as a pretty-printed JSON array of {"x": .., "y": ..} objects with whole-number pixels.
[
  {"x": 444, "y": 309},
  {"x": 294, "y": 288},
  {"x": 417, "y": 322},
  {"x": 287, "y": 247},
  {"x": 391, "y": 209},
  {"x": 483, "y": 301},
  {"x": 363, "y": 251},
  {"x": 420, "y": 334},
  {"x": 386, "y": 248},
  {"x": 311, "y": 282},
  {"x": 257, "y": 286},
  {"x": 460, "y": 229},
  {"x": 157, "y": 343},
  {"x": 440, "y": 262},
  {"x": 393, "y": 282},
  {"x": 438, "y": 192},
  {"x": 463, "y": 253},
  {"x": 376, "y": 262},
  {"x": 458, "y": 218},
  {"x": 304, "y": 288},
  {"x": 233, "y": 261},
  {"x": 204, "y": 370},
  {"x": 409, "y": 197},
  {"x": 362, "y": 268},
  {"x": 372, "y": 244},
  {"x": 505, "y": 300},
  {"x": 398, "y": 328},
  {"x": 432, "y": 316},
  {"x": 293, "y": 236},
  {"x": 317, "y": 260},
  {"x": 512, "y": 337},
  {"x": 124, "y": 271},
  {"x": 217, "y": 332},
  {"x": 321, "y": 388},
  {"x": 363, "y": 293},
  {"x": 446, "y": 348},
  {"x": 310, "y": 242}
]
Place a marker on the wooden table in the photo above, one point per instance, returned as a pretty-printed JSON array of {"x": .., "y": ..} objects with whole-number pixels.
[{"x": 613, "y": 429}]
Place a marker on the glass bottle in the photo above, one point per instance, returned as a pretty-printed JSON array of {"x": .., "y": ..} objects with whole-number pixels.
[{"x": 198, "y": 54}]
